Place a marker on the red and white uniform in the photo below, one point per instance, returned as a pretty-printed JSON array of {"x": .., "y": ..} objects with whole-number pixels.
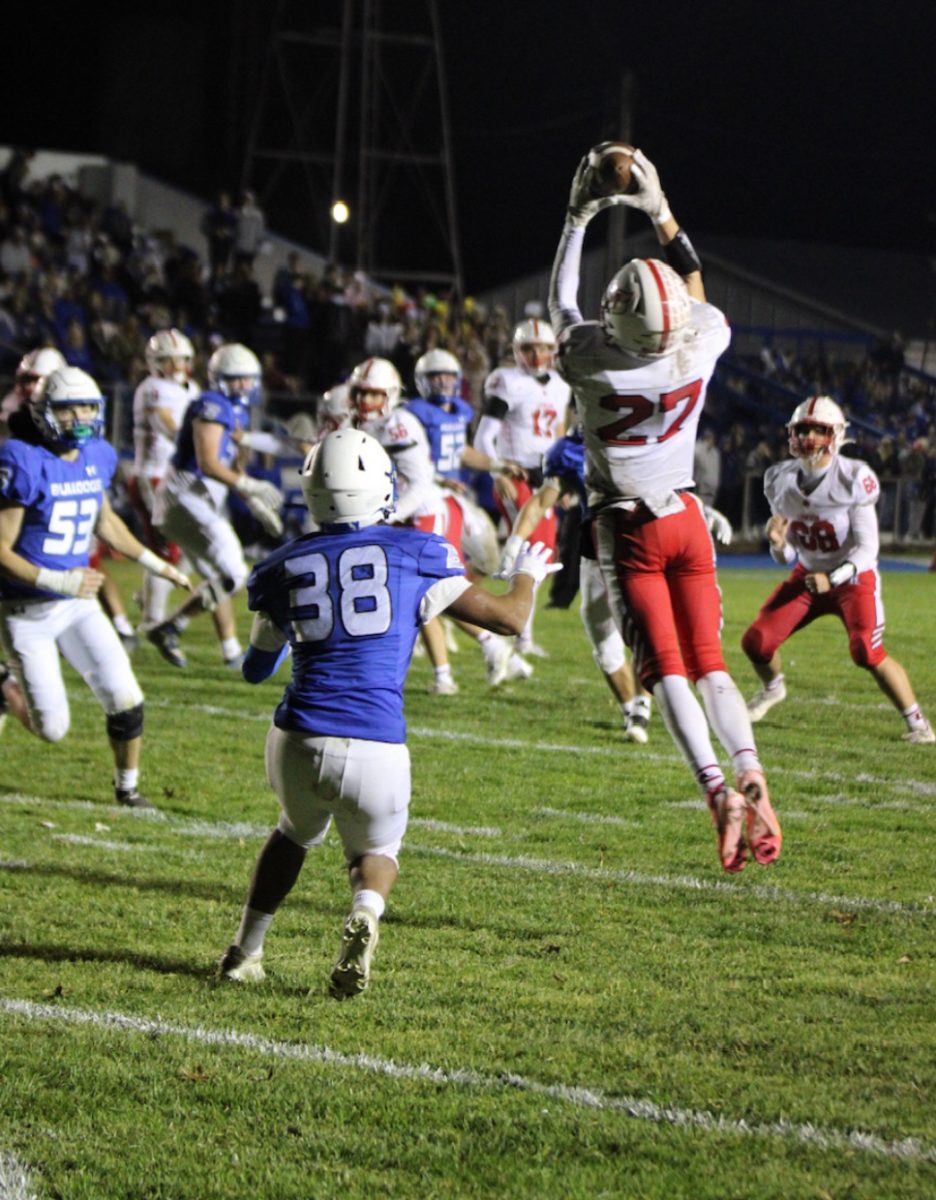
[
  {"x": 153, "y": 446},
  {"x": 523, "y": 416},
  {"x": 419, "y": 499},
  {"x": 832, "y": 524},
  {"x": 640, "y": 418}
]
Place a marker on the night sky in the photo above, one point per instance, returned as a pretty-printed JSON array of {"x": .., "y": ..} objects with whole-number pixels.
[{"x": 806, "y": 120}]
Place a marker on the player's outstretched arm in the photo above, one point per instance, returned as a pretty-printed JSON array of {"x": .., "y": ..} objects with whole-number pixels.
[{"x": 507, "y": 614}]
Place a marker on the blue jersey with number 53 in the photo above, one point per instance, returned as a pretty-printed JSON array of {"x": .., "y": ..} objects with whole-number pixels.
[
  {"x": 349, "y": 604},
  {"x": 62, "y": 501}
]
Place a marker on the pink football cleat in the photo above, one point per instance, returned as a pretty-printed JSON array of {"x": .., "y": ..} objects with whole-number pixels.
[
  {"x": 763, "y": 828},
  {"x": 728, "y": 817}
]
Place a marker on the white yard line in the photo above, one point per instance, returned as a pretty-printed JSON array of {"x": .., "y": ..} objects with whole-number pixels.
[
  {"x": 907, "y": 1149},
  {"x": 240, "y": 831},
  {"x": 547, "y": 866},
  {"x": 15, "y": 1183}
]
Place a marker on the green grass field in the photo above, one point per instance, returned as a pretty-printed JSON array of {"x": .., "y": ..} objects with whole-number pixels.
[{"x": 570, "y": 998}]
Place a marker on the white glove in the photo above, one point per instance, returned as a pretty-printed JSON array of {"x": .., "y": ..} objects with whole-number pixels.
[
  {"x": 719, "y": 525},
  {"x": 511, "y": 549},
  {"x": 583, "y": 205},
  {"x": 649, "y": 197},
  {"x": 262, "y": 489},
  {"x": 534, "y": 561},
  {"x": 268, "y": 516}
]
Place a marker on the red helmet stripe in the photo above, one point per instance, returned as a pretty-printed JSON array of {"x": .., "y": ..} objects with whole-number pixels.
[{"x": 664, "y": 302}]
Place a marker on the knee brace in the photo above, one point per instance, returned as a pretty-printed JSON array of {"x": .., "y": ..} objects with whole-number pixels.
[
  {"x": 127, "y": 725},
  {"x": 609, "y": 653}
]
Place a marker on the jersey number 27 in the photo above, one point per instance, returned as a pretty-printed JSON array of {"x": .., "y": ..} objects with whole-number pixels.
[{"x": 650, "y": 413}]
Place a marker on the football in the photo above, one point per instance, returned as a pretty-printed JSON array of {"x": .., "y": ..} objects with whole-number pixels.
[{"x": 610, "y": 165}]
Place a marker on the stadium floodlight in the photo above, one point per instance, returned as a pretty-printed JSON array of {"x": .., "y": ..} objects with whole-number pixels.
[{"x": 340, "y": 212}]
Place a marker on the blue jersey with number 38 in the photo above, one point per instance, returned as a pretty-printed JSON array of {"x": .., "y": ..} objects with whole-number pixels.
[
  {"x": 349, "y": 605},
  {"x": 62, "y": 501}
]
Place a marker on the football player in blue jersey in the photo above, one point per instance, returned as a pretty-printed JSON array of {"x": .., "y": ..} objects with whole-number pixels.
[
  {"x": 189, "y": 508},
  {"x": 54, "y": 475},
  {"x": 446, "y": 418},
  {"x": 348, "y": 601}
]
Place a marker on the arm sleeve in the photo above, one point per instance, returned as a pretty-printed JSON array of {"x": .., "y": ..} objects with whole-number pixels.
[
  {"x": 268, "y": 647},
  {"x": 864, "y": 553},
  {"x": 485, "y": 438},
  {"x": 440, "y": 596},
  {"x": 564, "y": 282}
]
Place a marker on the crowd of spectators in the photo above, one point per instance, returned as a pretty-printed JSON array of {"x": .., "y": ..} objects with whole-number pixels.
[{"x": 81, "y": 276}]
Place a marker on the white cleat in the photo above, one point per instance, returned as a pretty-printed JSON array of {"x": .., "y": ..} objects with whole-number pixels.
[
  {"x": 921, "y": 737},
  {"x": 635, "y": 728},
  {"x": 359, "y": 938},
  {"x": 498, "y": 660},
  {"x": 518, "y": 668},
  {"x": 239, "y": 967},
  {"x": 763, "y": 701},
  {"x": 443, "y": 687},
  {"x": 529, "y": 647}
]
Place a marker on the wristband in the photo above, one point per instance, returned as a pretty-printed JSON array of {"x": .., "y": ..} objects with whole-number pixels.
[
  {"x": 66, "y": 583},
  {"x": 843, "y": 574},
  {"x": 681, "y": 255},
  {"x": 151, "y": 562},
  {"x": 496, "y": 467}
]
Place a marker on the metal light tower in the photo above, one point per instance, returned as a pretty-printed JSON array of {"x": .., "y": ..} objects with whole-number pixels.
[{"x": 353, "y": 107}]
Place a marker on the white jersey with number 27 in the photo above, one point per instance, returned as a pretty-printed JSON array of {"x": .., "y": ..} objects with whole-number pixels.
[{"x": 640, "y": 415}]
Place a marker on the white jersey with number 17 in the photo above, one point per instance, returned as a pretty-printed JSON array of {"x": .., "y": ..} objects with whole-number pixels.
[{"x": 640, "y": 415}]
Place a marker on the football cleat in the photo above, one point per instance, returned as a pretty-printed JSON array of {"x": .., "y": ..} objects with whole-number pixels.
[
  {"x": 763, "y": 829},
  {"x": 498, "y": 662},
  {"x": 518, "y": 668},
  {"x": 235, "y": 662},
  {"x": 131, "y": 798},
  {"x": 359, "y": 938},
  {"x": 636, "y": 727},
  {"x": 528, "y": 646},
  {"x": 443, "y": 687},
  {"x": 728, "y": 808},
  {"x": 129, "y": 641},
  {"x": 922, "y": 737},
  {"x": 240, "y": 967},
  {"x": 763, "y": 701},
  {"x": 166, "y": 641}
]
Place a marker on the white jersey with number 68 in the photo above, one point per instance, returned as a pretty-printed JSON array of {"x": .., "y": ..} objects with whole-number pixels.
[{"x": 640, "y": 415}]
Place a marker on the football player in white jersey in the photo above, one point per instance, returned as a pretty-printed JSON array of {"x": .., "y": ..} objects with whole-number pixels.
[
  {"x": 54, "y": 475},
  {"x": 823, "y": 519},
  {"x": 524, "y": 412},
  {"x": 189, "y": 507},
  {"x": 639, "y": 377},
  {"x": 159, "y": 406},
  {"x": 350, "y": 598}
]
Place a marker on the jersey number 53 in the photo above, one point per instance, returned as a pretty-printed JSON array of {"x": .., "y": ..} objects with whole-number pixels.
[{"x": 651, "y": 415}]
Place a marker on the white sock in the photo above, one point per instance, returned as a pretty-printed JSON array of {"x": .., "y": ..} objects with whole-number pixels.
[
  {"x": 914, "y": 717},
  {"x": 367, "y": 898},
  {"x": 443, "y": 674},
  {"x": 122, "y": 625},
  {"x": 126, "y": 778},
  {"x": 155, "y": 595},
  {"x": 230, "y": 648},
  {"x": 252, "y": 930},
  {"x": 728, "y": 716},
  {"x": 774, "y": 683},
  {"x": 688, "y": 728}
]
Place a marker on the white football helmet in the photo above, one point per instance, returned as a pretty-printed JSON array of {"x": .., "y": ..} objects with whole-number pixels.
[
  {"x": 234, "y": 371},
  {"x": 34, "y": 367},
  {"x": 347, "y": 479},
  {"x": 645, "y": 308},
  {"x": 816, "y": 428},
  {"x": 433, "y": 363},
  {"x": 170, "y": 354},
  {"x": 534, "y": 346},
  {"x": 374, "y": 375},
  {"x": 64, "y": 388},
  {"x": 334, "y": 409}
]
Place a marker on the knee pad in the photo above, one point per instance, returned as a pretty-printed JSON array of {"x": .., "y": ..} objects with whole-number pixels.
[
  {"x": 127, "y": 725},
  {"x": 222, "y": 587},
  {"x": 609, "y": 654}
]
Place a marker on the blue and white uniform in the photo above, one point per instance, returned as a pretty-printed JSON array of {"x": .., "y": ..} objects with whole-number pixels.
[
  {"x": 349, "y": 604},
  {"x": 446, "y": 426},
  {"x": 190, "y": 508},
  {"x": 61, "y": 502}
]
